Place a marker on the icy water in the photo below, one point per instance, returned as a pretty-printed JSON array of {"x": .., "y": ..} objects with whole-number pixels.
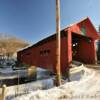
[
  {"x": 15, "y": 81},
  {"x": 11, "y": 77}
]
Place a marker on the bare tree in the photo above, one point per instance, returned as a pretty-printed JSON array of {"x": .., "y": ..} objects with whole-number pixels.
[{"x": 9, "y": 45}]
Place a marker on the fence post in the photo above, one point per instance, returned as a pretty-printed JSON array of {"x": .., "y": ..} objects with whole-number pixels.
[{"x": 4, "y": 92}]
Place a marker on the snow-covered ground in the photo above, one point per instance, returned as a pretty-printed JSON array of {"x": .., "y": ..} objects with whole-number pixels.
[
  {"x": 46, "y": 82},
  {"x": 88, "y": 88},
  {"x": 28, "y": 87},
  {"x": 41, "y": 73}
]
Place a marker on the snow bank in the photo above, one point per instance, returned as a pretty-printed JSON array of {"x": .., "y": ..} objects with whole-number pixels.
[
  {"x": 88, "y": 88},
  {"x": 13, "y": 91}
]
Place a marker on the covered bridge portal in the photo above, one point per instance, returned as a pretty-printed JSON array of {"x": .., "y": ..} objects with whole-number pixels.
[{"x": 77, "y": 43}]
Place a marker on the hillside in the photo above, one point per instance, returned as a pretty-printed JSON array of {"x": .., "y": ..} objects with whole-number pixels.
[{"x": 9, "y": 45}]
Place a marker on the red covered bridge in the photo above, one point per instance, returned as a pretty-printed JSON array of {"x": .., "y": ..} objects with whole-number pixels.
[{"x": 77, "y": 43}]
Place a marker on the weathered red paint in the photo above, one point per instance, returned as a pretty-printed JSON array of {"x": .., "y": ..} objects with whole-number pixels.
[{"x": 37, "y": 54}]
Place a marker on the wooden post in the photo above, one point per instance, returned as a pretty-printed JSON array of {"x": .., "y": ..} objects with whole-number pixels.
[
  {"x": 4, "y": 92},
  {"x": 18, "y": 83},
  {"x": 58, "y": 73}
]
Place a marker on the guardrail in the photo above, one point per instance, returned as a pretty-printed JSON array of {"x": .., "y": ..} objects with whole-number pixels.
[{"x": 76, "y": 69}]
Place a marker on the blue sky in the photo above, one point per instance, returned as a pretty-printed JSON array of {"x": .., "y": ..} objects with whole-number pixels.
[{"x": 32, "y": 20}]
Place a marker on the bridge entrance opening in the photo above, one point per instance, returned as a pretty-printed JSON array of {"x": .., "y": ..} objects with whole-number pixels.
[{"x": 82, "y": 48}]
